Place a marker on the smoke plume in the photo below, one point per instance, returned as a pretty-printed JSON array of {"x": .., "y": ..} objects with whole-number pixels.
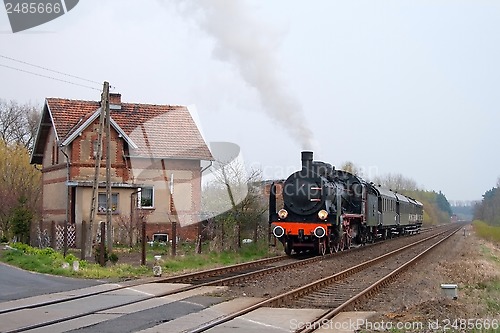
[{"x": 248, "y": 45}]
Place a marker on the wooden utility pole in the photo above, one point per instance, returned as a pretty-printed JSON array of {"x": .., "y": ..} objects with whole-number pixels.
[
  {"x": 83, "y": 240},
  {"x": 95, "y": 185},
  {"x": 102, "y": 246},
  {"x": 143, "y": 241},
  {"x": 109, "y": 226},
  {"x": 173, "y": 213}
]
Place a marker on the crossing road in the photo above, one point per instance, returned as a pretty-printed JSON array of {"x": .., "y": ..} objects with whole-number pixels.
[{"x": 16, "y": 283}]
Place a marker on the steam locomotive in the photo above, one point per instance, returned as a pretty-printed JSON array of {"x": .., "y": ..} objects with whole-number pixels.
[{"x": 328, "y": 210}]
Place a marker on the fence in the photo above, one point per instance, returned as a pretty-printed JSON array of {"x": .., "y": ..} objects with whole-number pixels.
[{"x": 52, "y": 235}]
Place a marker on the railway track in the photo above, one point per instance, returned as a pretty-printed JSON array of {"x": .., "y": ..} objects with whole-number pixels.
[
  {"x": 334, "y": 291},
  {"x": 338, "y": 292},
  {"x": 253, "y": 270},
  {"x": 216, "y": 276},
  {"x": 386, "y": 271},
  {"x": 213, "y": 277}
]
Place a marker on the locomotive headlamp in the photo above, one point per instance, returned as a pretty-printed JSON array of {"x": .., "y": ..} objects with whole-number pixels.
[
  {"x": 278, "y": 231},
  {"x": 319, "y": 232},
  {"x": 282, "y": 214},
  {"x": 322, "y": 214}
]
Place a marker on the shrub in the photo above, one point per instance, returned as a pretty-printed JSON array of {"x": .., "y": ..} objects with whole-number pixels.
[
  {"x": 97, "y": 254},
  {"x": 483, "y": 230},
  {"x": 113, "y": 257}
]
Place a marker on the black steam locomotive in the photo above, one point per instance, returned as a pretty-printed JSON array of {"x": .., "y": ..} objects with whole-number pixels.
[{"x": 325, "y": 209}]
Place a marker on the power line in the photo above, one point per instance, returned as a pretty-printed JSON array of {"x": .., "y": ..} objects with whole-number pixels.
[
  {"x": 50, "y": 77},
  {"x": 48, "y": 69}
]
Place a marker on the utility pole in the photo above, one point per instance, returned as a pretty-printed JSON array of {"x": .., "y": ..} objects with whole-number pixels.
[
  {"x": 173, "y": 213},
  {"x": 109, "y": 229},
  {"x": 95, "y": 185}
]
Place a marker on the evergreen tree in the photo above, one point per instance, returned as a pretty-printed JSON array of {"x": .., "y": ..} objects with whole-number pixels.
[
  {"x": 488, "y": 210},
  {"x": 443, "y": 203},
  {"x": 21, "y": 220}
]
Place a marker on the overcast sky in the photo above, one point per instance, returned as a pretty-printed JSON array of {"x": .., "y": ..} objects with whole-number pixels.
[{"x": 402, "y": 87}]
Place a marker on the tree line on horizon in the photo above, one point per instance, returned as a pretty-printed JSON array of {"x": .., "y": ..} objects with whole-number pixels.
[{"x": 488, "y": 209}]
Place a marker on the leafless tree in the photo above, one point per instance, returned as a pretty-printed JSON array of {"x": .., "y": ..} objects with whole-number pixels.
[
  {"x": 351, "y": 167},
  {"x": 18, "y": 123},
  {"x": 234, "y": 201},
  {"x": 131, "y": 226},
  {"x": 396, "y": 182}
]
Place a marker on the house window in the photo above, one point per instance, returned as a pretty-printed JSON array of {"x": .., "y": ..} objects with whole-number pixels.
[
  {"x": 101, "y": 203},
  {"x": 146, "y": 197}
]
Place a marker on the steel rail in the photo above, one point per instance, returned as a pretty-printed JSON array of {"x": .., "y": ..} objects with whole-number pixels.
[
  {"x": 373, "y": 287},
  {"x": 280, "y": 299}
]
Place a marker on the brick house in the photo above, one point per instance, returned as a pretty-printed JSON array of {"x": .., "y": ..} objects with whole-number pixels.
[{"x": 152, "y": 148}]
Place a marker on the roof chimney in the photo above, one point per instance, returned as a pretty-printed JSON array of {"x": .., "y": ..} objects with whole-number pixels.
[{"x": 115, "y": 101}]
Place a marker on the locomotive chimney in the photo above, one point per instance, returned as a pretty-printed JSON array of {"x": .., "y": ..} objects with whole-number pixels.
[{"x": 307, "y": 158}]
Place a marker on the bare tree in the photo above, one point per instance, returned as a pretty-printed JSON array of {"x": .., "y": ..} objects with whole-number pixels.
[
  {"x": 18, "y": 123},
  {"x": 234, "y": 203},
  {"x": 396, "y": 182},
  {"x": 351, "y": 168},
  {"x": 128, "y": 229}
]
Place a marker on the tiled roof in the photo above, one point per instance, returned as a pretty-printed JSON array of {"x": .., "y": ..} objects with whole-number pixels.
[{"x": 163, "y": 131}]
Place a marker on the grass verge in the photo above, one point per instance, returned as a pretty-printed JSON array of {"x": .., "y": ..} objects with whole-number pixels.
[
  {"x": 486, "y": 231},
  {"x": 49, "y": 261},
  {"x": 52, "y": 262}
]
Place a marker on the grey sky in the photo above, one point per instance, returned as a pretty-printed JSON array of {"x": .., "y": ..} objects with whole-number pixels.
[{"x": 406, "y": 87}]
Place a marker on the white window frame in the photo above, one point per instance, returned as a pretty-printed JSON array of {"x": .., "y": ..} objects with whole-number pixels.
[{"x": 140, "y": 195}]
